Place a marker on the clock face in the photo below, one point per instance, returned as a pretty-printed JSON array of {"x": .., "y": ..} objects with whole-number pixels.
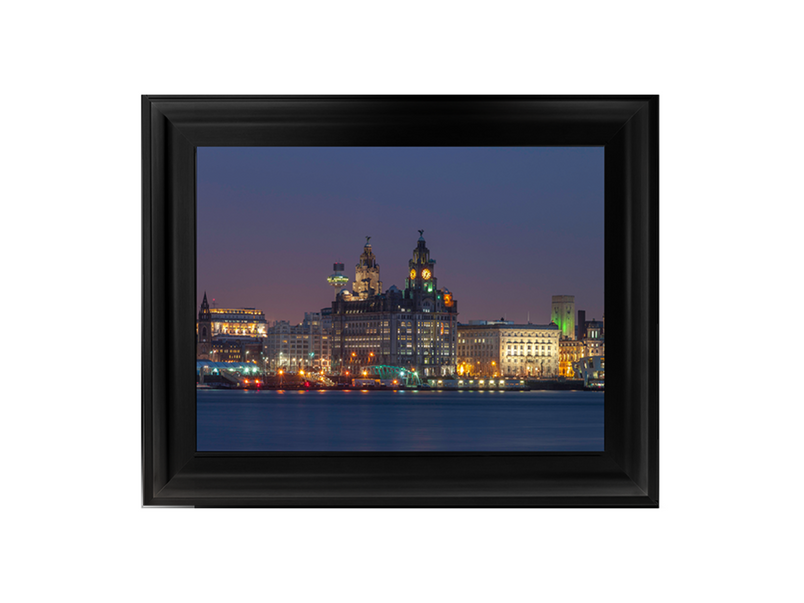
[
  {"x": 412, "y": 274},
  {"x": 426, "y": 274}
]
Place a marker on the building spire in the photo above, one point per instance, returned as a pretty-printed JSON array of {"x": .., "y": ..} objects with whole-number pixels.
[{"x": 203, "y": 313}]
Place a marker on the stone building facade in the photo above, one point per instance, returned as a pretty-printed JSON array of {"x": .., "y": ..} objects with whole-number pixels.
[
  {"x": 414, "y": 328},
  {"x": 499, "y": 349},
  {"x": 221, "y": 332},
  {"x": 570, "y": 351}
]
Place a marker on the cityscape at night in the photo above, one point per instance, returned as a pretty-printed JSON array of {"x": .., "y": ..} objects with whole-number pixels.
[{"x": 510, "y": 305}]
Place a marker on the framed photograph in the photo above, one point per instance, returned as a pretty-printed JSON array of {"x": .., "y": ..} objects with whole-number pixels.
[{"x": 400, "y": 301}]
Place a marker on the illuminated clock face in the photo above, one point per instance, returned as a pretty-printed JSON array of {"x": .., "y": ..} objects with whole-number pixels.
[
  {"x": 426, "y": 274},
  {"x": 412, "y": 274}
]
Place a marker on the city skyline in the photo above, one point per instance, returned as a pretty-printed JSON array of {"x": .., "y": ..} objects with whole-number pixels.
[{"x": 509, "y": 227}]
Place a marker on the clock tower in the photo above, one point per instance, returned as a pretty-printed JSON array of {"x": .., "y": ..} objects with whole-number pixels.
[{"x": 421, "y": 282}]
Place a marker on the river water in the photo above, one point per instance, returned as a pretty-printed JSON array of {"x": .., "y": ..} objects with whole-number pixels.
[{"x": 293, "y": 420}]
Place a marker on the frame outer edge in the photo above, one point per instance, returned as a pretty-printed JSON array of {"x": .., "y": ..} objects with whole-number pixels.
[{"x": 156, "y": 424}]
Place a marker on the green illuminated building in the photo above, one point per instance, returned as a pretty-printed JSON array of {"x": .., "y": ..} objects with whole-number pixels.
[{"x": 563, "y": 315}]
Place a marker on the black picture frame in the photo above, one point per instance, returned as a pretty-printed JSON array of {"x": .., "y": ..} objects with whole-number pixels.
[{"x": 625, "y": 474}]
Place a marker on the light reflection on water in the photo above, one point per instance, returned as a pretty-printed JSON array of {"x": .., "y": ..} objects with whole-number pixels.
[{"x": 366, "y": 420}]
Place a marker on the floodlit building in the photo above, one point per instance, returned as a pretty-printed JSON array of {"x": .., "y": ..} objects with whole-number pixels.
[
  {"x": 594, "y": 347},
  {"x": 563, "y": 314},
  {"x": 570, "y": 351},
  {"x": 504, "y": 349},
  {"x": 414, "y": 328},
  {"x": 216, "y": 325}
]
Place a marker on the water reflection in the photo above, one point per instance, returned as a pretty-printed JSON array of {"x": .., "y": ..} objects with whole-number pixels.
[{"x": 365, "y": 420}]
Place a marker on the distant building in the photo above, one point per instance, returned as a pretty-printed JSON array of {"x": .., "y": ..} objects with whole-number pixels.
[
  {"x": 570, "y": 352},
  {"x": 592, "y": 370},
  {"x": 414, "y": 328},
  {"x": 592, "y": 329},
  {"x": 563, "y": 314},
  {"x": 589, "y": 342},
  {"x": 216, "y": 325},
  {"x": 502, "y": 321},
  {"x": 504, "y": 349},
  {"x": 242, "y": 349},
  {"x": 580, "y": 324},
  {"x": 594, "y": 347},
  {"x": 367, "y": 275},
  {"x": 303, "y": 346}
]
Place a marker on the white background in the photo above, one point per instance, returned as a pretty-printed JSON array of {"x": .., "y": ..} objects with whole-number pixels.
[{"x": 729, "y": 527}]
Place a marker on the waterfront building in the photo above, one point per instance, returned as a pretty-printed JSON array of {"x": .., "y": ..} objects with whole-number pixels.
[
  {"x": 367, "y": 275},
  {"x": 594, "y": 347},
  {"x": 414, "y": 328},
  {"x": 305, "y": 346},
  {"x": 505, "y": 349},
  {"x": 589, "y": 342},
  {"x": 241, "y": 349},
  {"x": 570, "y": 352},
  {"x": 563, "y": 314},
  {"x": 227, "y": 324},
  {"x": 592, "y": 370}
]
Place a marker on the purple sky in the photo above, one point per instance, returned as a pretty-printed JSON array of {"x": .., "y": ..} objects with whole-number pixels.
[{"x": 508, "y": 227}]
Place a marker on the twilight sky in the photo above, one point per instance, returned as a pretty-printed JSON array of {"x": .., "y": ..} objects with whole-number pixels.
[{"x": 508, "y": 227}]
